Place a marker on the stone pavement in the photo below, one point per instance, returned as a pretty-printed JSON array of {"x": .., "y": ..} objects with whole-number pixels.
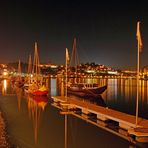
[{"x": 3, "y": 135}]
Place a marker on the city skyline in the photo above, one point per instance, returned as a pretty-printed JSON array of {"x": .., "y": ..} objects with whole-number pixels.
[{"x": 105, "y": 31}]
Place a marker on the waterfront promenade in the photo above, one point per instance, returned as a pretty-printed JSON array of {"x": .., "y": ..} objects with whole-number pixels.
[{"x": 3, "y": 134}]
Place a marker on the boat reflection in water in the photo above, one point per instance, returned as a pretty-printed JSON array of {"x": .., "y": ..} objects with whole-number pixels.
[
  {"x": 36, "y": 105},
  {"x": 19, "y": 94},
  {"x": 81, "y": 130},
  {"x": 98, "y": 100}
]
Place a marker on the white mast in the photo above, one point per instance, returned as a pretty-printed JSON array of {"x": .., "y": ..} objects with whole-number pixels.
[
  {"x": 36, "y": 68},
  {"x": 19, "y": 68},
  {"x": 29, "y": 65}
]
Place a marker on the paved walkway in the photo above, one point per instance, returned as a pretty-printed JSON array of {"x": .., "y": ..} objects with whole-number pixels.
[{"x": 3, "y": 135}]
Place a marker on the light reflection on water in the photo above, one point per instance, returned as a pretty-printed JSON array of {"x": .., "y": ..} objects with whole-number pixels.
[
  {"x": 4, "y": 87},
  {"x": 120, "y": 95},
  {"x": 19, "y": 94},
  {"x": 36, "y": 105}
]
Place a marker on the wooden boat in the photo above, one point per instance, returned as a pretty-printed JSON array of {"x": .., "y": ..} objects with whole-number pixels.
[
  {"x": 36, "y": 85},
  {"x": 40, "y": 98},
  {"x": 82, "y": 91},
  {"x": 38, "y": 90}
]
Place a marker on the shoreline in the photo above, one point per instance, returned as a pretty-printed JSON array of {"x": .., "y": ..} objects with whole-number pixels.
[{"x": 4, "y": 137}]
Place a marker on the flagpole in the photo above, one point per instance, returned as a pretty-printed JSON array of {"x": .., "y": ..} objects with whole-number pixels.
[
  {"x": 137, "y": 97},
  {"x": 66, "y": 66},
  {"x": 66, "y": 72},
  {"x": 139, "y": 46}
]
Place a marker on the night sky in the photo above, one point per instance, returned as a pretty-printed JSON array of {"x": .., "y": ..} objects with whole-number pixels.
[{"x": 105, "y": 31}]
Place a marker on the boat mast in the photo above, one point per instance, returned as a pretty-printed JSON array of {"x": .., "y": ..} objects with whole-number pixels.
[
  {"x": 29, "y": 64},
  {"x": 36, "y": 68},
  {"x": 74, "y": 57},
  {"x": 19, "y": 68}
]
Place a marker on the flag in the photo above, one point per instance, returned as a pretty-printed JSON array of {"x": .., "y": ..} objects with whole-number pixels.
[
  {"x": 67, "y": 56},
  {"x": 139, "y": 37}
]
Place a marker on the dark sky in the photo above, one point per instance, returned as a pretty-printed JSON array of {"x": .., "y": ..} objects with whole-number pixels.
[{"x": 105, "y": 30}]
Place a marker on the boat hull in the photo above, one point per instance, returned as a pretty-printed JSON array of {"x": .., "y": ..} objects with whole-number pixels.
[
  {"x": 39, "y": 93},
  {"x": 36, "y": 92},
  {"x": 93, "y": 92}
]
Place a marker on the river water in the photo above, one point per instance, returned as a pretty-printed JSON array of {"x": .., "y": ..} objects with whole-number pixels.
[{"x": 33, "y": 122}]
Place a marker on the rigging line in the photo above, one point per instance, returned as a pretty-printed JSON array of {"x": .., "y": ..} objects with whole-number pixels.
[
  {"x": 74, "y": 56},
  {"x": 84, "y": 53}
]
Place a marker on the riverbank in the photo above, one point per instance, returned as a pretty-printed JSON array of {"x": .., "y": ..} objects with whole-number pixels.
[{"x": 4, "y": 138}]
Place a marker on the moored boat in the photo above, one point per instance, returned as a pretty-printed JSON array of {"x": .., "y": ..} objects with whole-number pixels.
[
  {"x": 81, "y": 89},
  {"x": 41, "y": 91},
  {"x": 36, "y": 85}
]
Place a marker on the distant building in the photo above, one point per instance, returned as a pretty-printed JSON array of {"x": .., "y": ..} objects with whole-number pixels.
[
  {"x": 145, "y": 69},
  {"x": 49, "y": 68}
]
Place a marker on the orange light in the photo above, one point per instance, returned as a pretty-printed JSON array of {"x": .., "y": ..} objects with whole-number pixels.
[{"x": 5, "y": 73}]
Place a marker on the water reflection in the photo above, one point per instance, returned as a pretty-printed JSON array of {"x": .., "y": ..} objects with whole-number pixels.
[
  {"x": 125, "y": 88},
  {"x": 61, "y": 84},
  {"x": 36, "y": 105},
  {"x": 120, "y": 93},
  {"x": 70, "y": 129},
  {"x": 19, "y": 94},
  {"x": 4, "y": 87},
  {"x": 53, "y": 85},
  {"x": 78, "y": 132},
  {"x": 65, "y": 130}
]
